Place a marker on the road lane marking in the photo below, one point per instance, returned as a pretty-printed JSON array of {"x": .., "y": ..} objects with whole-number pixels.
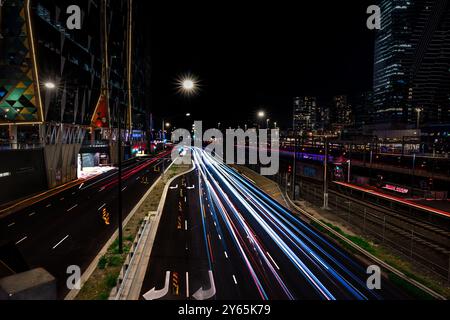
[
  {"x": 10, "y": 225},
  {"x": 226, "y": 254},
  {"x": 32, "y": 214},
  {"x": 101, "y": 189},
  {"x": 154, "y": 294},
  {"x": 185, "y": 199},
  {"x": 23, "y": 239},
  {"x": 220, "y": 238},
  {"x": 202, "y": 294},
  {"x": 60, "y": 242},
  {"x": 185, "y": 225},
  {"x": 73, "y": 193},
  {"x": 81, "y": 185},
  {"x": 187, "y": 284},
  {"x": 61, "y": 199},
  {"x": 71, "y": 208},
  {"x": 174, "y": 188},
  {"x": 101, "y": 207},
  {"x": 124, "y": 189},
  {"x": 49, "y": 205},
  {"x": 234, "y": 279},
  {"x": 273, "y": 261}
]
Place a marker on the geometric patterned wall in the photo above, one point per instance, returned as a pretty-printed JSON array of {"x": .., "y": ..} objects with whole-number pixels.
[{"x": 18, "y": 97}]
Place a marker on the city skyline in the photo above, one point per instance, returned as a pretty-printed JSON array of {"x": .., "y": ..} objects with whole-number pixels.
[{"x": 136, "y": 160}]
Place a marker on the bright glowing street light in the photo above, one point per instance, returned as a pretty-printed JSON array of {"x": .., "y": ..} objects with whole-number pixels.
[
  {"x": 418, "y": 110},
  {"x": 187, "y": 85},
  {"x": 168, "y": 125},
  {"x": 50, "y": 85},
  {"x": 261, "y": 114},
  {"x": 188, "y": 115}
]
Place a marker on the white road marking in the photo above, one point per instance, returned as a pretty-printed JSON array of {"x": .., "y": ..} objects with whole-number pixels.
[
  {"x": 32, "y": 214},
  {"x": 71, "y": 208},
  {"x": 187, "y": 285},
  {"x": 173, "y": 188},
  {"x": 234, "y": 279},
  {"x": 215, "y": 224},
  {"x": 49, "y": 205},
  {"x": 60, "y": 242},
  {"x": 124, "y": 189},
  {"x": 185, "y": 199},
  {"x": 185, "y": 225},
  {"x": 226, "y": 254},
  {"x": 61, "y": 199},
  {"x": 220, "y": 238},
  {"x": 102, "y": 207},
  {"x": 10, "y": 225},
  {"x": 101, "y": 189},
  {"x": 138, "y": 178},
  {"x": 23, "y": 239},
  {"x": 81, "y": 185},
  {"x": 73, "y": 193},
  {"x": 273, "y": 261}
]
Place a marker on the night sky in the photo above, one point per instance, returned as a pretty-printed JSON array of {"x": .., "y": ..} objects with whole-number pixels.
[{"x": 256, "y": 56}]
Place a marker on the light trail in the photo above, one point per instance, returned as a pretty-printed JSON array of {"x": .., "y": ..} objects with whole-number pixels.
[{"x": 254, "y": 220}]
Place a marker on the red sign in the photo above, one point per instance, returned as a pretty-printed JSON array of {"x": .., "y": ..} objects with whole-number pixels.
[{"x": 396, "y": 188}]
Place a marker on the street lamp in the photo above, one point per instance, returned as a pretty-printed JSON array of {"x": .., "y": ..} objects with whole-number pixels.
[
  {"x": 349, "y": 162},
  {"x": 187, "y": 85},
  {"x": 50, "y": 85},
  {"x": 261, "y": 114},
  {"x": 418, "y": 110}
]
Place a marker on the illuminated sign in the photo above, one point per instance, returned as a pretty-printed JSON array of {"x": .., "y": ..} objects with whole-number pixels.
[{"x": 396, "y": 188}]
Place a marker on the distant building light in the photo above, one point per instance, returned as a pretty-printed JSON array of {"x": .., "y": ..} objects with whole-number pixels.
[{"x": 5, "y": 174}]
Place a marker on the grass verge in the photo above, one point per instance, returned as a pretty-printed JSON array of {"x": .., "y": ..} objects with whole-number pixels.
[{"x": 390, "y": 259}]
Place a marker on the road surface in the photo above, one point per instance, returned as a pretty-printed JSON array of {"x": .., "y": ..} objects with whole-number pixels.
[
  {"x": 220, "y": 237},
  {"x": 69, "y": 228}
]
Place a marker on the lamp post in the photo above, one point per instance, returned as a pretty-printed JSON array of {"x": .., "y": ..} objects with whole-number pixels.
[
  {"x": 349, "y": 162},
  {"x": 119, "y": 141},
  {"x": 325, "y": 175},
  {"x": 418, "y": 110}
]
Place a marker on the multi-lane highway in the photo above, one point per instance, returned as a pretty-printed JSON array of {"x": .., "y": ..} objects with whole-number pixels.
[
  {"x": 70, "y": 228},
  {"x": 220, "y": 237}
]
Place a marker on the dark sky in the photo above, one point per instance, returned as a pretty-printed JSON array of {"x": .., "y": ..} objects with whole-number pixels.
[{"x": 257, "y": 54}]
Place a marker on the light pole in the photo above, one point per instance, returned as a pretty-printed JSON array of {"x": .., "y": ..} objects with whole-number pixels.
[
  {"x": 418, "y": 110},
  {"x": 349, "y": 162},
  {"x": 325, "y": 176},
  {"x": 119, "y": 141},
  {"x": 261, "y": 116}
]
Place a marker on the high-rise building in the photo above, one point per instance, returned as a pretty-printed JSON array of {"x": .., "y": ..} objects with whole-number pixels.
[
  {"x": 412, "y": 62},
  {"x": 60, "y": 87},
  {"x": 362, "y": 108},
  {"x": 342, "y": 111},
  {"x": 305, "y": 114}
]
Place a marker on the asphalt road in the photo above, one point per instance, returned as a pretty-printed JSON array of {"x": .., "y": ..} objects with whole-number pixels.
[
  {"x": 223, "y": 238},
  {"x": 68, "y": 228}
]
